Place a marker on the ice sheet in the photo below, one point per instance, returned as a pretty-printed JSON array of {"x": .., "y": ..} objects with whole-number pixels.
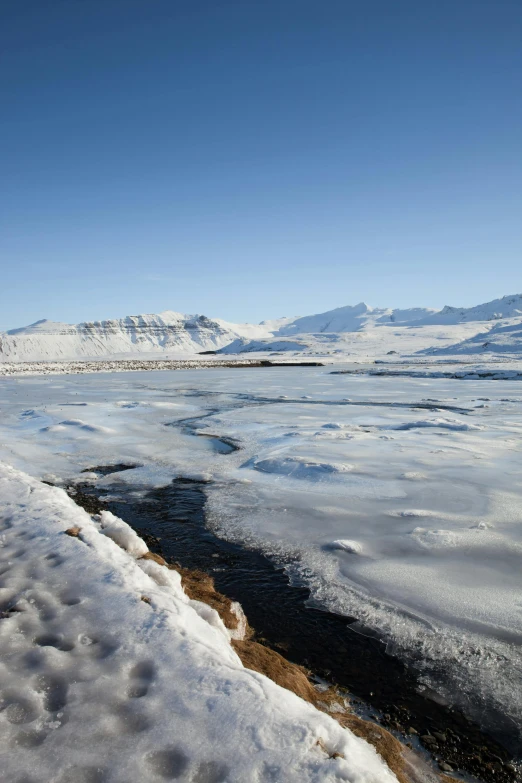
[{"x": 421, "y": 477}]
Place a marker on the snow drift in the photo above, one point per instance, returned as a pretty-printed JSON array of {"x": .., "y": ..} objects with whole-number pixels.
[{"x": 109, "y": 672}]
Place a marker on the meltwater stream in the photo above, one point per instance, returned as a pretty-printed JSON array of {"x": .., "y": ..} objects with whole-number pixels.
[{"x": 172, "y": 521}]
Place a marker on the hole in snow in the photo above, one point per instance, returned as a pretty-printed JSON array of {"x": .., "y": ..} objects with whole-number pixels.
[
  {"x": 131, "y": 721},
  {"x": 18, "y": 709},
  {"x": 54, "y": 689},
  {"x": 30, "y": 739},
  {"x": 137, "y": 690},
  {"x": 143, "y": 671},
  {"x": 168, "y": 764},
  {"x": 141, "y": 676},
  {"x": 49, "y": 640},
  {"x": 69, "y": 599},
  {"x": 54, "y": 560}
]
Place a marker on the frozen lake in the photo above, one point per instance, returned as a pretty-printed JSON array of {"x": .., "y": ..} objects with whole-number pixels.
[{"x": 396, "y": 500}]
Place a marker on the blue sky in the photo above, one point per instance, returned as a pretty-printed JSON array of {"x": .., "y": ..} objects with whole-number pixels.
[{"x": 253, "y": 159}]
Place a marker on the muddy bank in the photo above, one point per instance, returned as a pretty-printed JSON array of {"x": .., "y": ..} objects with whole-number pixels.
[{"x": 172, "y": 522}]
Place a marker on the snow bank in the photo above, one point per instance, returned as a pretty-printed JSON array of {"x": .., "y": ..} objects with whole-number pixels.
[
  {"x": 123, "y": 535},
  {"x": 108, "y": 673}
]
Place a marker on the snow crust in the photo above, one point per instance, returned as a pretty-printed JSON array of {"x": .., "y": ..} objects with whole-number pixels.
[{"x": 99, "y": 685}]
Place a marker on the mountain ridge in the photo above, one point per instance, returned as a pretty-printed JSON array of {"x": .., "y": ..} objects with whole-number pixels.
[{"x": 174, "y": 332}]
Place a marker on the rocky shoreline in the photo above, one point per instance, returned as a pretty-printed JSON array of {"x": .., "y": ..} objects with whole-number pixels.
[{"x": 135, "y": 365}]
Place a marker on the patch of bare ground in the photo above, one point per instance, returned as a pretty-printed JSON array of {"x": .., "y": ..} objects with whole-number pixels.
[
  {"x": 153, "y": 556},
  {"x": 296, "y": 679},
  {"x": 200, "y": 586}
]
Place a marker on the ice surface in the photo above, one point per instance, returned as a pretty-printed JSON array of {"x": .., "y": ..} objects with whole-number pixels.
[
  {"x": 421, "y": 485},
  {"x": 98, "y": 685}
]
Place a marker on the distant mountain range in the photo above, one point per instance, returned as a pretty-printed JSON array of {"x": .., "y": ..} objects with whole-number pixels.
[{"x": 493, "y": 326}]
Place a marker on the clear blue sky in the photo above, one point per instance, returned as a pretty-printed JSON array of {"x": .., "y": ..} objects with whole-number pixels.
[{"x": 257, "y": 158}]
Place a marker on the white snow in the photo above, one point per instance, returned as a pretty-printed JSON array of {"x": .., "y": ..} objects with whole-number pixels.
[
  {"x": 353, "y": 547},
  {"x": 122, "y": 534},
  {"x": 99, "y": 685},
  {"x": 506, "y": 307},
  {"x": 386, "y": 463},
  {"x": 357, "y": 331},
  {"x": 132, "y": 335},
  {"x": 242, "y": 345},
  {"x": 504, "y": 337},
  {"x": 353, "y": 318}
]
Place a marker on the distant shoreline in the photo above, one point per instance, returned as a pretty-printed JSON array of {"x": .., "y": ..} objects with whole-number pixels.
[{"x": 136, "y": 365}]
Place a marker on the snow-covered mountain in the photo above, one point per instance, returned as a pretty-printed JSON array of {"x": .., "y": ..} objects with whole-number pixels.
[
  {"x": 358, "y": 329},
  {"x": 503, "y": 337},
  {"x": 355, "y": 331},
  {"x": 353, "y": 318},
  {"x": 167, "y": 332},
  {"x": 497, "y": 309}
]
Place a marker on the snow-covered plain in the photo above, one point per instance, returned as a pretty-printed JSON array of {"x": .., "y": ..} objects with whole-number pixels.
[
  {"x": 396, "y": 499},
  {"x": 98, "y": 685}
]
